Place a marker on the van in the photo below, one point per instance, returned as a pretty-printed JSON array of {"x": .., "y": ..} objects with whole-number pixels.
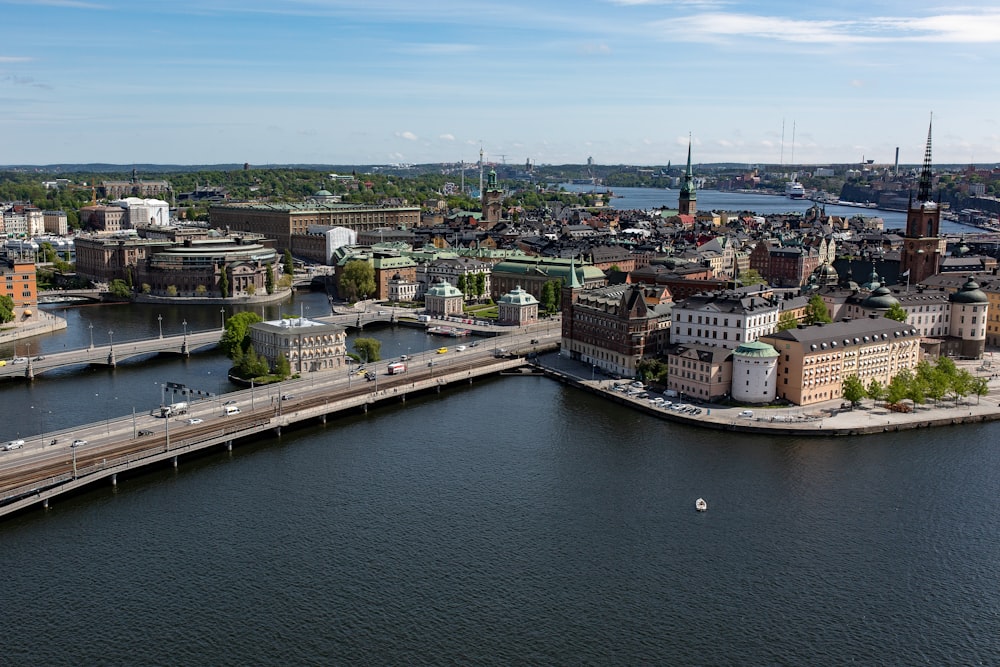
[
  {"x": 231, "y": 410},
  {"x": 13, "y": 444},
  {"x": 746, "y": 413}
]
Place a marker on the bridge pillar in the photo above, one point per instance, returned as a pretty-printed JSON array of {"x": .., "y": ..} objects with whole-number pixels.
[
  {"x": 29, "y": 372},
  {"x": 45, "y": 504},
  {"x": 322, "y": 419},
  {"x": 174, "y": 461},
  {"x": 229, "y": 445},
  {"x": 184, "y": 349},
  {"x": 111, "y": 359},
  {"x": 114, "y": 479},
  {"x": 364, "y": 408},
  {"x": 277, "y": 431}
]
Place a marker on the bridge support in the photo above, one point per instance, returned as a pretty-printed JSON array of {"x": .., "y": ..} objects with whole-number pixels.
[
  {"x": 29, "y": 372},
  {"x": 277, "y": 431},
  {"x": 45, "y": 504},
  {"x": 322, "y": 419},
  {"x": 114, "y": 479},
  {"x": 184, "y": 349},
  {"x": 111, "y": 359},
  {"x": 229, "y": 445},
  {"x": 174, "y": 461}
]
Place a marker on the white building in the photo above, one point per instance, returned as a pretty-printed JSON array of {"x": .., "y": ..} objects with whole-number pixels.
[
  {"x": 726, "y": 318},
  {"x": 755, "y": 373},
  {"x": 308, "y": 345},
  {"x": 145, "y": 212},
  {"x": 335, "y": 237}
]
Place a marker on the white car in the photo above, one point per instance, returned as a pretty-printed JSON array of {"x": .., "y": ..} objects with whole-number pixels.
[
  {"x": 13, "y": 444},
  {"x": 460, "y": 348},
  {"x": 195, "y": 420},
  {"x": 79, "y": 443}
]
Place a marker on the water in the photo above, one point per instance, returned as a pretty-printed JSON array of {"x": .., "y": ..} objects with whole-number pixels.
[
  {"x": 518, "y": 521},
  {"x": 715, "y": 200}
]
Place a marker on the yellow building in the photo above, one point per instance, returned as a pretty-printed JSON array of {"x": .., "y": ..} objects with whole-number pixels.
[{"x": 814, "y": 361}]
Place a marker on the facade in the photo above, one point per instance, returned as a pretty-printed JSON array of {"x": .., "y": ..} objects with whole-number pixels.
[
  {"x": 103, "y": 259},
  {"x": 531, "y": 273},
  {"x": 283, "y": 222},
  {"x": 814, "y": 361},
  {"x": 103, "y": 218},
  {"x": 388, "y": 267},
  {"x": 614, "y": 327},
  {"x": 310, "y": 346},
  {"x": 144, "y": 212},
  {"x": 492, "y": 201},
  {"x": 727, "y": 318},
  {"x": 55, "y": 222},
  {"x": 700, "y": 371},
  {"x": 517, "y": 308},
  {"x": 401, "y": 289},
  {"x": 450, "y": 269},
  {"x": 134, "y": 188},
  {"x": 755, "y": 373},
  {"x": 19, "y": 283},
  {"x": 442, "y": 300}
]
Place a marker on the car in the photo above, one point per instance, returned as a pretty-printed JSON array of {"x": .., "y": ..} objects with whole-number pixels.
[
  {"x": 230, "y": 403},
  {"x": 430, "y": 363},
  {"x": 403, "y": 357},
  {"x": 145, "y": 431},
  {"x": 19, "y": 360},
  {"x": 195, "y": 420},
  {"x": 746, "y": 414},
  {"x": 13, "y": 444},
  {"x": 534, "y": 341},
  {"x": 287, "y": 397},
  {"x": 39, "y": 358},
  {"x": 460, "y": 348},
  {"x": 79, "y": 443},
  {"x": 474, "y": 343},
  {"x": 369, "y": 376},
  {"x": 442, "y": 350}
]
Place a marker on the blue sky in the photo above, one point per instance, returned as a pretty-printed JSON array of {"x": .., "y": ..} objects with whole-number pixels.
[{"x": 384, "y": 81}]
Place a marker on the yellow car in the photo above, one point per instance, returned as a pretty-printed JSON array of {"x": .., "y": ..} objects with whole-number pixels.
[{"x": 442, "y": 350}]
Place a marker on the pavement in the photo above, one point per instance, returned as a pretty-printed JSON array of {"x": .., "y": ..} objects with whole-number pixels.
[{"x": 38, "y": 323}]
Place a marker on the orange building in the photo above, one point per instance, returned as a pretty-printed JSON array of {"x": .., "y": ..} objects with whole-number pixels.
[{"x": 19, "y": 283}]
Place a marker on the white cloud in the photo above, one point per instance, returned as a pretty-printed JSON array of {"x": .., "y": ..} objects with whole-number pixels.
[
  {"x": 446, "y": 137},
  {"x": 15, "y": 59},
  {"x": 409, "y": 136}
]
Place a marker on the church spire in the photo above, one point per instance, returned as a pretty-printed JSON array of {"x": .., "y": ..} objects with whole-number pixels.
[
  {"x": 924, "y": 190},
  {"x": 687, "y": 199}
]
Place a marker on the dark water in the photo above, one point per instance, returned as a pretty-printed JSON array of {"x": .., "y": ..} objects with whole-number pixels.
[{"x": 518, "y": 521}]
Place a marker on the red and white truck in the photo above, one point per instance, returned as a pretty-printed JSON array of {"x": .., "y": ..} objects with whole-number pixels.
[{"x": 397, "y": 368}]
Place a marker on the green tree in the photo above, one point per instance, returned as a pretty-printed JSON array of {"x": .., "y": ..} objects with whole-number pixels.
[
  {"x": 201, "y": 290},
  {"x": 962, "y": 384},
  {"x": 282, "y": 366},
  {"x": 269, "y": 279},
  {"x": 224, "y": 282},
  {"x": 236, "y": 337},
  {"x": 357, "y": 280},
  {"x": 875, "y": 390},
  {"x": 369, "y": 349},
  {"x": 48, "y": 253},
  {"x": 251, "y": 289},
  {"x": 147, "y": 288},
  {"x": 751, "y": 277},
  {"x": 118, "y": 288},
  {"x": 463, "y": 285},
  {"x": 6, "y": 309},
  {"x": 980, "y": 387},
  {"x": 816, "y": 311},
  {"x": 787, "y": 320},
  {"x": 896, "y": 312},
  {"x": 251, "y": 365},
  {"x": 898, "y": 388},
  {"x": 934, "y": 380},
  {"x": 854, "y": 390},
  {"x": 289, "y": 263},
  {"x": 171, "y": 290},
  {"x": 480, "y": 285}
]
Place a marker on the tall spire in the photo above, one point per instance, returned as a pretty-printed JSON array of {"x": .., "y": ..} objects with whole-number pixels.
[
  {"x": 687, "y": 198},
  {"x": 924, "y": 190}
]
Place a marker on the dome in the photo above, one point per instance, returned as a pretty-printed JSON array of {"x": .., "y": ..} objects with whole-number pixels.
[
  {"x": 518, "y": 297},
  {"x": 756, "y": 349},
  {"x": 323, "y": 193},
  {"x": 443, "y": 289},
  {"x": 880, "y": 299},
  {"x": 874, "y": 282},
  {"x": 825, "y": 274},
  {"x": 969, "y": 293}
]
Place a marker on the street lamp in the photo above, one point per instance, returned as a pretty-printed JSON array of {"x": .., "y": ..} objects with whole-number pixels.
[
  {"x": 111, "y": 337},
  {"x": 222, "y": 311},
  {"x": 159, "y": 321},
  {"x": 185, "y": 324},
  {"x": 91, "y": 326}
]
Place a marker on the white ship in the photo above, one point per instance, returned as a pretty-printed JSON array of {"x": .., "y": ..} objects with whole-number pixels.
[{"x": 794, "y": 190}]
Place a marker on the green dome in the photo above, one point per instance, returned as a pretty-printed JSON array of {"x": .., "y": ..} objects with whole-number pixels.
[
  {"x": 880, "y": 299},
  {"x": 969, "y": 293},
  {"x": 756, "y": 349}
]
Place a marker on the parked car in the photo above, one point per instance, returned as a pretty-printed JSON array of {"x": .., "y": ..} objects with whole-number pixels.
[
  {"x": 13, "y": 444},
  {"x": 442, "y": 350}
]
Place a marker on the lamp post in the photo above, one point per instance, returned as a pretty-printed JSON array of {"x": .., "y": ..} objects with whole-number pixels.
[
  {"x": 159, "y": 320},
  {"x": 111, "y": 337},
  {"x": 185, "y": 324},
  {"x": 222, "y": 311},
  {"x": 91, "y": 327}
]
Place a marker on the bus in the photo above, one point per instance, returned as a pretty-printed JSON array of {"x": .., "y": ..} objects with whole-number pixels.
[{"x": 397, "y": 368}]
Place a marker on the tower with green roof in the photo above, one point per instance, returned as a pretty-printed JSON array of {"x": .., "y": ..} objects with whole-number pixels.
[{"x": 687, "y": 200}]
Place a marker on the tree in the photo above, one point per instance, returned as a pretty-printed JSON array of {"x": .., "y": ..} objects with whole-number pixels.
[
  {"x": 816, "y": 311},
  {"x": 854, "y": 390},
  {"x": 118, "y": 288},
  {"x": 934, "y": 380},
  {"x": 980, "y": 387},
  {"x": 236, "y": 338},
  {"x": 480, "y": 285},
  {"x": 289, "y": 263},
  {"x": 251, "y": 365},
  {"x": 201, "y": 290},
  {"x": 48, "y": 253},
  {"x": 269, "y": 279},
  {"x": 751, "y": 277},
  {"x": 251, "y": 289},
  {"x": 171, "y": 290},
  {"x": 224, "y": 282},
  {"x": 282, "y": 366},
  {"x": 898, "y": 388},
  {"x": 896, "y": 312},
  {"x": 357, "y": 280},
  {"x": 787, "y": 320},
  {"x": 875, "y": 390},
  {"x": 6, "y": 309},
  {"x": 962, "y": 384},
  {"x": 463, "y": 285},
  {"x": 369, "y": 349}
]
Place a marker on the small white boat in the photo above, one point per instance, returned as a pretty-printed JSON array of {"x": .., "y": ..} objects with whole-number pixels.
[{"x": 701, "y": 505}]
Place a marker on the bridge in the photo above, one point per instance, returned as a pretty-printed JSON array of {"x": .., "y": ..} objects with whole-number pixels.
[
  {"x": 52, "y": 464},
  {"x": 111, "y": 354}
]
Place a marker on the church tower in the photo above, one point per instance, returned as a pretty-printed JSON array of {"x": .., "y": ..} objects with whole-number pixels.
[
  {"x": 687, "y": 200},
  {"x": 922, "y": 247},
  {"x": 492, "y": 201}
]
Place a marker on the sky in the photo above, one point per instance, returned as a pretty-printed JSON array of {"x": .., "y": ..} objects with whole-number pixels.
[{"x": 762, "y": 82}]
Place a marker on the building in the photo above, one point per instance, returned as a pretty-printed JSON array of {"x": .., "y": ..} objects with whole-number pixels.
[
  {"x": 702, "y": 372},
  {"x": 310, "y": 346},
  {"x": 103, "y": 218},
  {"x": 55, "y": 222},
  {"x": 492, "y": 201},
  {"x": 19, "y": 283},
  {"x": 456, "y": 270},
  {"x": 922, "y": 249},
  {"x": 615, "y": 326},
  {"x": 726, "y": 318},
  {"x": 402, "y": 290},
  {"x": 755, "y": 373},
  {"x": 815, "y": 360},
  {"x": 517, "y": 308},
  {"x": 284, "y": 222},
  {"x": 144, "y": 212},
  {"x": 687, "y": 199},
  {"x": 442, "y": 300},
  {"x": 134, "y": 188},
  {"x": 532, "y": 273}
]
